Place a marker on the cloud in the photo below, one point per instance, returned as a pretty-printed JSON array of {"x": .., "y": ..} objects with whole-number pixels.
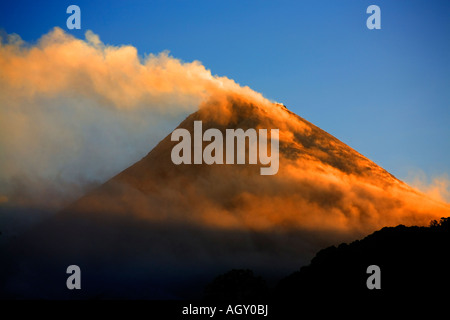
[
  {"x": 437, "y": 187},
  {"x": 322, "y": 185},
  {"x": 76, "y": 111},
  {"x": 113, "y": 76}
]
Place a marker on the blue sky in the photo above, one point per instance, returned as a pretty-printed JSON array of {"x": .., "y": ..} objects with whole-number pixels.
[{"x": 383, "y": 92}]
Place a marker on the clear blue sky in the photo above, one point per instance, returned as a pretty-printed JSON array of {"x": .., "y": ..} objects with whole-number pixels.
[{"x": 386, "y": 93}]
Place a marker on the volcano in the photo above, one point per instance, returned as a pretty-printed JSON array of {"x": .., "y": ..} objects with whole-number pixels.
[{"x": 162, "y": 230}]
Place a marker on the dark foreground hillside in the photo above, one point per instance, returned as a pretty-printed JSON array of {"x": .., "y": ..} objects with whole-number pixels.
[{"x": 414, "y": 265}]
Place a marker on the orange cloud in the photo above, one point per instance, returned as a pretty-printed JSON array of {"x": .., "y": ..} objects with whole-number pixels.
[
  {"x": 114, "y": 76},
  {"x": 323, "y": 186},
  {"x": 75, "y": 110},
  {"x": 438, "y": 188}
]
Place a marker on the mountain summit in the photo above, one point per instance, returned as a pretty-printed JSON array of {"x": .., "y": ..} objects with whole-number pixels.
[
  {"x": 322, "y": 183},
  {"x": 158, "y": 228}
]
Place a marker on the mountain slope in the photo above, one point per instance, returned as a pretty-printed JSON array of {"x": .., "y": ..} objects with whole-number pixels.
[
  {"x": 321, "y": 184},
  {"x": 413, "y": 264},
  {"x": 160, "y": 230}
]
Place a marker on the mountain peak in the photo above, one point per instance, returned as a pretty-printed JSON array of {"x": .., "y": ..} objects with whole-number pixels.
[
  {"x": 322, "y": 183},
  {"x": 171, "y": 226}
]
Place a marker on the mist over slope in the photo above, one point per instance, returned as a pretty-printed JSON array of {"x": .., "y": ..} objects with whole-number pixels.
[
  {"x": 171, "y": 227},
  {"x": 322, "y": 184}
]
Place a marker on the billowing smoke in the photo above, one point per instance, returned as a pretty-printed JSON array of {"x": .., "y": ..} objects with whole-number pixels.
[
  {"x": 436, "y": 187},
  {"x": 322, "y": 184},
  {"x": 75, "y": 112}
]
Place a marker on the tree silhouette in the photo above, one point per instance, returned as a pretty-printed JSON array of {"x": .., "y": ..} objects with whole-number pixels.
[
  {"x": 413, "y": 261},
  {"x": 443, "y": 224}
]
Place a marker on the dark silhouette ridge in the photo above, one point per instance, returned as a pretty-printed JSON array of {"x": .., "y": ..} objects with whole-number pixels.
[{"x": 414, "y": 263}]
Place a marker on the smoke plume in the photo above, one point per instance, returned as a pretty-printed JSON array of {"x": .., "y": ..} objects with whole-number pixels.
[{"x": 74, "y": 112}]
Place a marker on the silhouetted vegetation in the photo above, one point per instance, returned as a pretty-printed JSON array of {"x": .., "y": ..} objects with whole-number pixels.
[
  {"x": 414, "y": 263},
  {"x": 443, "y": 224}
]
